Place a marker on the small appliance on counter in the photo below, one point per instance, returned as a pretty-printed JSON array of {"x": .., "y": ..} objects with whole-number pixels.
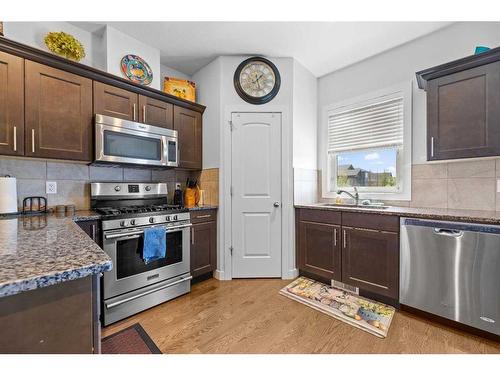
[
  {"x": 34, "y": 205},
  {"x": 8, "y": 195},
  {"x": 192, "y": 193}
]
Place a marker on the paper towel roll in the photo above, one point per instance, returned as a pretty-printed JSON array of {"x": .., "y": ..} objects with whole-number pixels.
[{"x": 8, "y": 195}]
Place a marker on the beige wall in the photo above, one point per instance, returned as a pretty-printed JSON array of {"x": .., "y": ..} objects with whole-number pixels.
[
  {"x": 73, "y": 179},
  {"x": 469, "y": 185}
]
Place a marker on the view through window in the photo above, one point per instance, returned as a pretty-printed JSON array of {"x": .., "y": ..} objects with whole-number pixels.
[{"x": 365, "y": 168}]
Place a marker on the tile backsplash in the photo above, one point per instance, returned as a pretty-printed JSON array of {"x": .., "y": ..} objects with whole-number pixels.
[
  {"x": 470, "y": 185},
  {"x": 73, "y": 179}
]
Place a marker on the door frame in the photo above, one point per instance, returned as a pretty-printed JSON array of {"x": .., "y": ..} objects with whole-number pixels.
[{"x": 224, "y": 259}]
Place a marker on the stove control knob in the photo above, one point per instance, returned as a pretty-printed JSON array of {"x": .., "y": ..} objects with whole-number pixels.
[
  {"x": 151, "y": 220},
  {"x": 148, "y": 188},
  {"x": 175, "y": 217},
  {"x": 117, "y": 188},
  {"x": 132, "y": 222},
  {"x": 167, "y": 218},
  {"x": 122, "y": 223}
]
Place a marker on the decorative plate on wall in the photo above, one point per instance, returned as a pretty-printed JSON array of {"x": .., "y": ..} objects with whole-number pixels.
[{"x": 136, "y": 69}]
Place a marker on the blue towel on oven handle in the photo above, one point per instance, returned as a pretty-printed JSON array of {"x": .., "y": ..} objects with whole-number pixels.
[{"x": 155, "y": 244}]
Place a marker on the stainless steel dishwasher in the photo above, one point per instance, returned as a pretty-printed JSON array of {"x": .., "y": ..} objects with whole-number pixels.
[{"x": 452, "y": 270}]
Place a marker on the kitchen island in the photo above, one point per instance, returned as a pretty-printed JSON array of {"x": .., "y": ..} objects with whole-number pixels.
[{"x": 49, "y": 285}]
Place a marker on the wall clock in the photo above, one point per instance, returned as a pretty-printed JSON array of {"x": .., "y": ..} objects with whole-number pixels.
[{"x": 257, "y": 80}]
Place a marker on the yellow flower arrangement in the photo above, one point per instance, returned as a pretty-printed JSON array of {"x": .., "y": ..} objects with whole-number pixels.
[{"x": 65, "y": 45}]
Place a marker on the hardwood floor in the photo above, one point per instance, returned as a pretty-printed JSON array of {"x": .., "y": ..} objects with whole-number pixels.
[{"x": 249, "y": 316}]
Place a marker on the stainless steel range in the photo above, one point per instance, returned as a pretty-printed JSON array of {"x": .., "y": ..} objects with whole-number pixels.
[{"x": 132, "y": 286}]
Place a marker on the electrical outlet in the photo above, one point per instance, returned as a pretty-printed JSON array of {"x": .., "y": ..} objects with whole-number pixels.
[
  {"x": 177, "y": 185},
  {"x": 51, "y": 187}
]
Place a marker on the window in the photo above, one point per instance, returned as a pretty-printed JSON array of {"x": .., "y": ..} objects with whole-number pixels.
[{"x": 368, "y": 145}]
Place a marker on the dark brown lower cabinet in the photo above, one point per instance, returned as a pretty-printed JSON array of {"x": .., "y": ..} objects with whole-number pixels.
[
  {"x": 319, "y": 251},
  {"x": 358, "y": 249},
  {"x": 57, "y": 319},
  {"x": 203, "y": 243},
  {"x": 370, "y": 260}
]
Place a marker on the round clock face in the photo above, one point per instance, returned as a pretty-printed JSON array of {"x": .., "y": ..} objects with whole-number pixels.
[{"x": 257, "y": 80}]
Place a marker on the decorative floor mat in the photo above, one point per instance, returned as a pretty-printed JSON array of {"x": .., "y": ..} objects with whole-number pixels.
[
  {"x": 131, "y": 340},
  {"x": 370, "y": 316}
]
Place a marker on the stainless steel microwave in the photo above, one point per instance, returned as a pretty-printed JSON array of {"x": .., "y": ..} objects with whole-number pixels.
[{"x": 128, "y": 142}]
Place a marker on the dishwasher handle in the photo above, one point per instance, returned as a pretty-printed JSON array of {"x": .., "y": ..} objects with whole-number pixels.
[{"x": 448, "y": 232}]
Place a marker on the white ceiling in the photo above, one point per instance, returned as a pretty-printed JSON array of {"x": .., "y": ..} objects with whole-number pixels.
[{"x": 322, "y": 47}]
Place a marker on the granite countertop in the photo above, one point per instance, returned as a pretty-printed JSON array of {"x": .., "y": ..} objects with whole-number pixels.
[
  {"x": 483, "y": 217},
  {"x": 38, "y": 251}
]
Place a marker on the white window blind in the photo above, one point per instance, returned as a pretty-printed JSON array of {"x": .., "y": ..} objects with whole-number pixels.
[{"x": 378, "y": 124}]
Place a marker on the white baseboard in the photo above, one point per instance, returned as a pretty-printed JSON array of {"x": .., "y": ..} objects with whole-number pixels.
[
  {"x": 219, "y": 275},
  {"x": 291, "y": 274}
]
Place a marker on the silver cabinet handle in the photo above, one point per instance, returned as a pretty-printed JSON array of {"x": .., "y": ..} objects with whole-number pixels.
[
  {"x": 345, "y": 241},
  {"x": 110, "y": 305},
  {"x": 144, "y": 114},
  {"x": 276, "y": 204},
  {"x": 432, "y": 147},
  {"x": 33, "y": 140},
  {"x": 334, "y": 236},
  {"x": 93, "y": 232},
  {"x": 15, "y": 138},
  {"x": 192, "y": 236},
  {"x": 133, "y": 109},
  {"x": 202, "y": 216}
]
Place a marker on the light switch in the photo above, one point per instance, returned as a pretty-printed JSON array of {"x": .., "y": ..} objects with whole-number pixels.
[{"x": 498, "y": 186}]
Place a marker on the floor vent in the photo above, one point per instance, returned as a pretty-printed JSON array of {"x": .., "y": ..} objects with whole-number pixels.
[{"x": 346, "y": 287}]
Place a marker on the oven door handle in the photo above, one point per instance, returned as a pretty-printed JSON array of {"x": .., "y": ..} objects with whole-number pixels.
[
  {"x": 114, "y": 304},
  {"x": 131, "y": 234}
]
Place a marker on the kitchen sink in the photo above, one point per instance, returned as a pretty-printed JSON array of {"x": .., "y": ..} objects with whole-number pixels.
[{"x": 347, "y": 205}]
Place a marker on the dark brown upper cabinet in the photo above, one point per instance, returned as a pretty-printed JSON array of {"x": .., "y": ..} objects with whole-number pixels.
[
  {"x": 188, "y": 125},
  {"x": 58, "y": 111},
  {"x": 370, "y": 260},
  {"x": 11, "y": 104},
  {"x": 115, "y": 102},
  {"x": 156, "y": 112},
  {"x": 463, "y": 107}
]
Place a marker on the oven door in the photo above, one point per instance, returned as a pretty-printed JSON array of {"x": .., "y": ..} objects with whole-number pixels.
[
  {"x": 117, "y": 144},
  {"x": 129, "y": 270}
]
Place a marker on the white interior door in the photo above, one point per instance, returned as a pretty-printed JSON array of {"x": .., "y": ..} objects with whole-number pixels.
[{"x": 256, "y": 194}]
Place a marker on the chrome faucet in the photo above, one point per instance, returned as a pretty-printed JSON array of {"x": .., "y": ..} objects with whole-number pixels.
[{"x": 355, "y": 196}]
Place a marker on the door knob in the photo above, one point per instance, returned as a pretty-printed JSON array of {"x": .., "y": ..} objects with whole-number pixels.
[{"x": 276, "y": 204}]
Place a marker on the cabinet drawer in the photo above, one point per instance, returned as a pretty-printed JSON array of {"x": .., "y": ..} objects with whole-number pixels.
[
  {"x": 201, "y": 216},
  {"x": 371, "y": 221},
  {"x": 319, "y": 216}
]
